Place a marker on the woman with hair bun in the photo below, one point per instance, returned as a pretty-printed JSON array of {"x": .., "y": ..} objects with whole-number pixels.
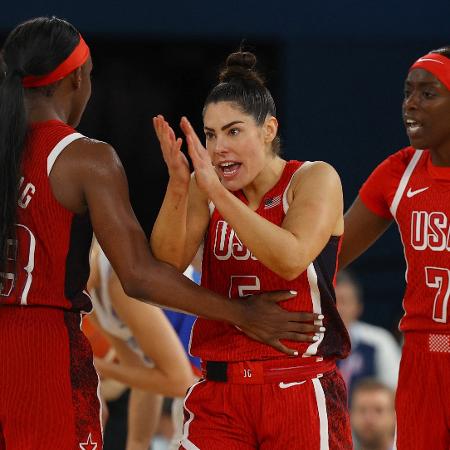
[
  {"x": 56, "y": 186},
  {"x": 267, "y": 224}
]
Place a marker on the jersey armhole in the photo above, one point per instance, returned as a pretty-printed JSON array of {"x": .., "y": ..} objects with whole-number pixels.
[
  {"x": 404, "y": 181},
  {"x": 285, "y": 200},
  {"x": 59, "y": 147}
]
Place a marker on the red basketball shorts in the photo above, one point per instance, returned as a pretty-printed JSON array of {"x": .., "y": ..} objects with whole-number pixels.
[
  {"x": 48, "y": 384},
  {"x": 295, "y": 409},
  {"x": 423, "y": 393}
]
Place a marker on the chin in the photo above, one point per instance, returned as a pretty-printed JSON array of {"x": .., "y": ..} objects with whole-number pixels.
[{"x": 418, "y": 143}]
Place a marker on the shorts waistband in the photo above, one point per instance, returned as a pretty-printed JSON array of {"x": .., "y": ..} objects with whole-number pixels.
[
  {"x": 431, "y": 342},
  {"x": 270, "y": 371}
]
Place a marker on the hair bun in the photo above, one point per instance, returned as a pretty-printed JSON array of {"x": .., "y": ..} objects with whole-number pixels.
[{"x": 240, "y": 65}]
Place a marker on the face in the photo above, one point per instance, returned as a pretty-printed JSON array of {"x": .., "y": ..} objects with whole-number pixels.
[
  {"x": 426, "y": 110},
  {"x": 83, "y": 93},
  {"x": 347, "y": 302},
  {"x": 373, "y": 417},
  {"x": 239, "y": 148}
]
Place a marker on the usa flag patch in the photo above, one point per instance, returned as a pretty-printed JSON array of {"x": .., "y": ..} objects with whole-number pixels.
[{"x": 271, "y": 202}]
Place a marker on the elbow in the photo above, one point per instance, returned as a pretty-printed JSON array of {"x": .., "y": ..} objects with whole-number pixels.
[
  {"x": 133, "y": 285},
  {"x": 181, "y": 382},
  {"x": 292, "y": 275},
  {"x": 292, "y": 270}
]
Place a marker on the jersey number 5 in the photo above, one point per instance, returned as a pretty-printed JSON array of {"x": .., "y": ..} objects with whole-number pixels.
[
  {"x": 244, "y": 285},
  {"x": 439, "y": 279}
]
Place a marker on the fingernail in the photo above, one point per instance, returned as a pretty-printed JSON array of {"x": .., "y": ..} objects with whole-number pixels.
[
  {"x": 293, "y": 292},
  {"x": 321, "y": 317},
  {"x": 316, "y": 338},
  {"x": 322, "y": 328}
]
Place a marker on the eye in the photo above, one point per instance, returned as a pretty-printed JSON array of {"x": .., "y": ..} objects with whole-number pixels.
[
  {"x": 429, "y": 94},
  {"x": 406, "y": 93},
  {"x": 234, "y": 131},
  {"x": 209, "y": 135}
]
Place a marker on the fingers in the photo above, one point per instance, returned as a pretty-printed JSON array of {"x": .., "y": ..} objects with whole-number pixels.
[
  {"x": 283, "y": 349},
  {"x": 188, "y": 130},
  {"x": 307, "y": 327},
  {"x": 299, "y": 337},
  {"x": 278, "y": 296}
]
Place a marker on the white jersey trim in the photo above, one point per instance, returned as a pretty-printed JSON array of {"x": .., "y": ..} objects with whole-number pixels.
[
  {"x": 404, "y": 181},
  {"x": 29, "y": 267},
  {"x": 322, "y": 410},
  {"x": 59, "y": 147},
  {"x": 185, "y": 442},
  {"x": 317, "y": 308},
  {"x": 285, "y": 202}
]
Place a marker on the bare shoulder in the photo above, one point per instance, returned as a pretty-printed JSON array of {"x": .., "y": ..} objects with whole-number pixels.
[
  {"x": 97, "y": 156},
  {"x": 316, "y": 173}
]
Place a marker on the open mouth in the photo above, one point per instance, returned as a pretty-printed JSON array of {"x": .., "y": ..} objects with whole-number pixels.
[
  {"x": 412, "y": 125},
  {"x": 229, "y": 168}
]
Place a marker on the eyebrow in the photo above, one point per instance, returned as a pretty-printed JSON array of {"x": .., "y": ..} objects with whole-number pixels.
[
  {"x": 436, "y": 83},
  {"x": 228, "y": 125}
]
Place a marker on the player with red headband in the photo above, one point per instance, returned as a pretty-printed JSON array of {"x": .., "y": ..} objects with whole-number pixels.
[
  {"x": 412, "y": 187},
  {"x": 55, "y": 183}
]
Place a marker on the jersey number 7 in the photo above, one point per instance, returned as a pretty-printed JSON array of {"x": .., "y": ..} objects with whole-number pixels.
[{"x": 439, "y": 279}]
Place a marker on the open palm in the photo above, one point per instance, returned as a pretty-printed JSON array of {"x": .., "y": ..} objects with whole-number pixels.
[
  {"x": 176, "y": 161},
  {"x": 205, "y": 174}
]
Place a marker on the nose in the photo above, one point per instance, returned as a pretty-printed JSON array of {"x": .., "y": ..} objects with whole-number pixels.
[
  {"x": 411, "y": 102},
  {"x": 221, "y": 145}
]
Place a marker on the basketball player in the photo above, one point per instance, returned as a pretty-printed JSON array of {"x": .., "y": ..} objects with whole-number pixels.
[
  {"x": 412, "y": 187},
  {"x": 151, "y": 359},
  {"x": 268, "y": 224},
  {"x": 53, "y": 184}
]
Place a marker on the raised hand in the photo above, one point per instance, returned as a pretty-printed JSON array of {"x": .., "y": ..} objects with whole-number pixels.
[
  {"x": 265, "y": 321},
  {"x": 176, "y": 161},
  {"x": 205, "y": 174}
]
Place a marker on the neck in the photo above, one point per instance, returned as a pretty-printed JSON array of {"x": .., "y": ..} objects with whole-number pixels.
[
  {"x": 441, "y": 156},
  {"x": 264, "y": 181},
  {"x": 40, "y": 109}
]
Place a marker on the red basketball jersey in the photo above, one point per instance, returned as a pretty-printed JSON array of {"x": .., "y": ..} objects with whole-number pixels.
[
  {"x": 48, "y": 259},
  {"x": 407, "y": 187},
  {"x": 230, "y": 269}
]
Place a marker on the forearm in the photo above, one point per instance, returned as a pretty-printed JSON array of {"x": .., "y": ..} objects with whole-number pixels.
[
  {"x": 161, "y": 284},
  {"x": 168, "y": 236},
  {"x": 276, "y": 248},
  {"x": 145, "y": 378}
]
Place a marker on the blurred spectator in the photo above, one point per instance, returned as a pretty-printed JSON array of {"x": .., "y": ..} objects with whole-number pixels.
[
  {"x": 375, "y": 353},
  {"x": 372, "y": 415}
]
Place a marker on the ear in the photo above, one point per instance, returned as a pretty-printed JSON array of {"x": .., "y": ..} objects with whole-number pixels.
[
  {"x": 270, "y": 129},
  {"x": 76, "y": 78}
]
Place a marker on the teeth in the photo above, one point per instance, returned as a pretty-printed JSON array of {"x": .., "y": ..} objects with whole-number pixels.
[{"x": 227, "y": 164}]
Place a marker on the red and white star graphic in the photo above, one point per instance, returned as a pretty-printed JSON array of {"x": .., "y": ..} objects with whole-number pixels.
[{"x": 88, "y": 445}]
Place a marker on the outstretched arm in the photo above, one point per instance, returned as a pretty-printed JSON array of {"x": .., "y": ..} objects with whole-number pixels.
[
  {"x": 362, "y": 229},
  {"x": 89, "y": 175}
]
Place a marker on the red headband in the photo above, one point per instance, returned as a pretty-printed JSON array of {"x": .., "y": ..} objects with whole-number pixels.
[
  {"x": 76, "y": 59},
  {"x": 436, "y": 64}
]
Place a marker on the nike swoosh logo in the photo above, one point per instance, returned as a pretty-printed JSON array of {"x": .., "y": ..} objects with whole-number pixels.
[
  {"x": 412, "y": 193},
  {"x": 284, "y": 385},
  {"x": 429, "y": 59}
]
